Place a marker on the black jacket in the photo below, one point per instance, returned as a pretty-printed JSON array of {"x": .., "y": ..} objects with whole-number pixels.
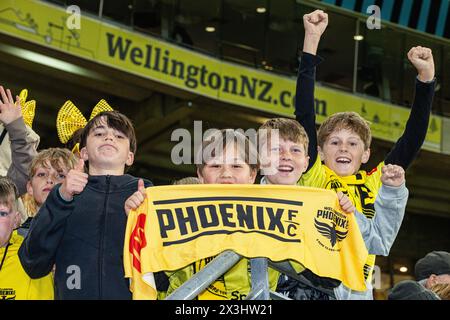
[{"x": 84, "y": 238}]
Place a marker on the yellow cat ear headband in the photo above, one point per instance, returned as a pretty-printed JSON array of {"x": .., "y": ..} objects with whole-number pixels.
[
  {"x": 70, "y": 119},
  {"x": 28, "y": 108}
]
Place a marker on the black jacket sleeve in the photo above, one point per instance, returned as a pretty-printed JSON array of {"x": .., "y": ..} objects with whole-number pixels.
[
  {"x": 409, "y": 144},
  {"x": 305, "y": 112},
  {"x": 37, "y": 252}
]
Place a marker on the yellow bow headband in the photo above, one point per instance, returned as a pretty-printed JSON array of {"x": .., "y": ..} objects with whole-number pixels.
[
  {"x": 28, "y": 108},
  {"x": 70, "y": 119}
]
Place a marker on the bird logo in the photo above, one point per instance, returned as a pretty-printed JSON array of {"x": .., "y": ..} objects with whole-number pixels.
[{"x": 330, "y": 232}]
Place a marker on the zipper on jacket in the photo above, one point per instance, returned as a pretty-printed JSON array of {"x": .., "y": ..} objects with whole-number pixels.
[{"x": 102, "y": 235}]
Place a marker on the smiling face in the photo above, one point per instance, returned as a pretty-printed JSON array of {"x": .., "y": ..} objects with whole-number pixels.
[
  {"x": 289, "y": 160},
  {"x": 227, "y": 167},
  {"x": 107, "y": 150},
  {"x": 343, "y": 152},
  {"x": 45, "y": 177}
]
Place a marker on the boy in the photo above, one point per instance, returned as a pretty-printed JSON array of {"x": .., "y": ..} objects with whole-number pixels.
[
  {"x": 236, "y": 162},
  {"x": 15, "y": 284},
  {"x": 18, "y": 143},
  {"x": 81, "y": 225},
  {"x": 47, "y": 169},
  {"x": 290, "y": 155},
  {"x": 344, "y": 139}
]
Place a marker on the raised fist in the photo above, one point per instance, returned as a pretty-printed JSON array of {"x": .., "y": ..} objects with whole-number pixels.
[
  {"x": 422, "y": 60},
  {"x": 392, "y": 175},
  {"x": 315, "y": 23}
]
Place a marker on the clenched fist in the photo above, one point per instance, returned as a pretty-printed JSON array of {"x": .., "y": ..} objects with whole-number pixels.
[
  {"x": 346, "y": 205},
  {"x": 392, "y": 175},
  {"x": 422, "y": 60},
  {"x": 315, "y": 23}
]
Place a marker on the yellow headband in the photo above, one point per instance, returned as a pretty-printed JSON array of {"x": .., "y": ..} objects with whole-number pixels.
[
  {"x": 70, "y": 119},
  {"x": 28, "y": 108}
]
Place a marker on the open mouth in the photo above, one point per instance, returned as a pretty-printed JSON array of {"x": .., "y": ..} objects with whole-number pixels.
[
  {"x": 47, "y": 189},
  {"x": 285, "y": 169},
  {"x": 343, "y": 160}
]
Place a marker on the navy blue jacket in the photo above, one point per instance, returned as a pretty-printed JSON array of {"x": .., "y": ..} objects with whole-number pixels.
[{"x": 84, "y": 238}]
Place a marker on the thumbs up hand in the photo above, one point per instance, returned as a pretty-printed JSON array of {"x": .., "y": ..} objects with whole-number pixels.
[
  {"x": 136, "y": 199},
  {"x": 75, "y": 181}
]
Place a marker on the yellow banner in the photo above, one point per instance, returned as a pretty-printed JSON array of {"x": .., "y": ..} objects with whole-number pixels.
[
  {"x": 121, "y": 48},
  {"x": 178, "y": 225}
]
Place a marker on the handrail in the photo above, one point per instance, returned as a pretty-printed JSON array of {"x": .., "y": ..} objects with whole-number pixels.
[{"x": 259, "y": 278}]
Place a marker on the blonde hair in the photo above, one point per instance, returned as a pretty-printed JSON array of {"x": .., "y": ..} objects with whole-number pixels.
[
  {"x": 57, "y": 158},
  {"x": 345, "y": 120},
  {"x": 54, "y": 156},
  {"x": 288, "y": 129},
  {"x": 442, "y": 290}
]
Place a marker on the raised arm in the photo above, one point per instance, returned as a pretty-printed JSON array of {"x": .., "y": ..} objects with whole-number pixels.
[
  {"x": 37, "y": 252},
  {"x": 315, "y": 24},
  {"x": 24, "y": 142},
  {"x": 409, "y": 144}
]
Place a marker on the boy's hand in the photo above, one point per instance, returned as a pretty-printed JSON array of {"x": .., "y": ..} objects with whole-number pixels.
[
  {"x": 74, "y": 182},
  {"x": 392, "y": 175},
  {"x": 9, "y": 111},
  {"x": 422, "y": 59},
  {"x": 136, "y": 199},
  {"x": 346, "y": 205},
  {"x": 315, "y": 24}
]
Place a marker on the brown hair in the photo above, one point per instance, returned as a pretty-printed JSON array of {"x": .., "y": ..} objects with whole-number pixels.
[
  {"x": 222, "y": 138},
  {"x": 345, "y": 120},
  {"x": 8, "y": 193},
  {"x": 54, "y": 156},
  {"x": 115, "y": 120},
  {"x": 288, "y": 129}
]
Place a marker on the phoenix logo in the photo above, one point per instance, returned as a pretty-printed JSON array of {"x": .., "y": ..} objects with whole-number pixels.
[{"x": 330, "y": 232}]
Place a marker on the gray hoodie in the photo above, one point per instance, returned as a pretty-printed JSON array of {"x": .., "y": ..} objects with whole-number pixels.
[{"x": 379, "y": 233}]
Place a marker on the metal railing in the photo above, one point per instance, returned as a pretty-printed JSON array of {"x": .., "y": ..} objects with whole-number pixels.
[{"x": 260, "y": 289}]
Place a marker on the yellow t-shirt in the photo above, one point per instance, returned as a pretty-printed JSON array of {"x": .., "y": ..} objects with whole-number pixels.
[
  {"x": 362, "y": 189},
  {"x": 15, "y": 284}
]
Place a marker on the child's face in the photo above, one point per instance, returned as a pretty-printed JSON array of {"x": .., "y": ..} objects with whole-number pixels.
[
  {"x": 290, "y": 161},
  {"x": 44, "y": 179},
  {"x": 227, "y": 168},
  {"x": 107, "y": 148},
  {"x": 343, "y": 152},
  {"x": 9, "y": 220}
]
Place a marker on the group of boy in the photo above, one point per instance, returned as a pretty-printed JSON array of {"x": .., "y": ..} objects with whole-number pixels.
[{"x": 77, "y": 236}]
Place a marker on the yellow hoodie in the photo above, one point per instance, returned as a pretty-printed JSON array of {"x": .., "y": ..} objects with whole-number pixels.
[{"x": 15, "y": 284}]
